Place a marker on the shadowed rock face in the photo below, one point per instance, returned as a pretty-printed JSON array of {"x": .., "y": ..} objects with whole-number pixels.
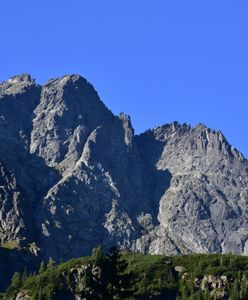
[{"x": 73, "y": 176}]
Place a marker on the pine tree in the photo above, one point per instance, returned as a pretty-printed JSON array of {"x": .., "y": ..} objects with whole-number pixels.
[
  {"x": 42, "y": 267},
  {"x": 15, "y": 285},
  {"x": 115, "y": 268},
  {"x": 234, "y": 294},
  {"x": 97, "y": 255},
  {"x": 16, "y": 280},
  {"x": 243, "y": 289},
  {"x": 51, "y": 263},
  {"x": 24, "y": 275}
]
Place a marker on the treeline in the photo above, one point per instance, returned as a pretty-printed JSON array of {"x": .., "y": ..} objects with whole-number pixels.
[
  {"x": 213, "y": 276},
  {"x": 111, "y": 275},
  {"x": 123, "y": 275}
]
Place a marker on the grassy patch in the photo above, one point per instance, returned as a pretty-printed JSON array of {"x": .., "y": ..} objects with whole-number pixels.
[{"x": 10, "y": 245}]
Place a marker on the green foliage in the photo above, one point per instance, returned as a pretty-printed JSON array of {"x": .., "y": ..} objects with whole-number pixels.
[
  {"x": 24, "y": 275},
  {"x": 16, "y": 280},
  {"x": 243, "y": 288},
  {"x": 123, "y": 275},
  {"x": 15, "y": 285},
  {"x": 150, "y": 275},
  {"x": 98, "y": 255},
  {"x": 51, "y": 263},
  {"x": 42, "y": 267},
  {"x": 215, "y": 264},
  {"x": 115, "y": 265},
  {"x": 234, "y": 293}
]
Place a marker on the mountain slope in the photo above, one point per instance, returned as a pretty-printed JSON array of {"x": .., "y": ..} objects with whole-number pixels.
[{"x": 73, "y": 176}]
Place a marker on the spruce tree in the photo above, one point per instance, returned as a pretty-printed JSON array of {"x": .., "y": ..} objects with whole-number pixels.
[
  {"x": 42, "y": 267},
  {"x": 234, "y": 293},
  {"x": 16, "y": 280},
  {"x": 97, "y": 255},
  {"x": 51, "y": 263},
  {"x": 116, "y": 265},
  {"x": 243, "y": 289},
  {"x": 24, "y": 275}
]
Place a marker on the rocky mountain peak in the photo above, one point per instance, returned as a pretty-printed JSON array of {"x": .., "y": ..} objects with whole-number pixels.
[
  {"x": 22, "y": 78},
  {"x": 76, "y": 176},
  {"x": 67, "y": 80},
  {"x": 69, "y": 110},
  {"x": 16, "y": 84}
]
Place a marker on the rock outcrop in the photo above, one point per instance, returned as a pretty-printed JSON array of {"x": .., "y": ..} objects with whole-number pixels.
[{"x": 73, "y": 176}]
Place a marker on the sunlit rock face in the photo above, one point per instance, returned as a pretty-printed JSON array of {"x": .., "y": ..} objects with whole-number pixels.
[{"x": 73, "y": 175}]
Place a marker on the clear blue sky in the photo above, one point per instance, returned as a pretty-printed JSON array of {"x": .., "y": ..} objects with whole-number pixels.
[{"x": 158, "y": 61}]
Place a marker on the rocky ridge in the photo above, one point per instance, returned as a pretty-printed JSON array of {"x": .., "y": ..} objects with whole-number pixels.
[{"x": 73, "y": 176}]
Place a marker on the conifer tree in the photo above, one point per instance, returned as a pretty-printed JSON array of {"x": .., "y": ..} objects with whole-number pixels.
[
  {"x": 116, "y": 266},
  {"x": 234, "y": 293},
  {"x": 97, "y": 255},
  {"x": 243, "y": 289},
  {"x": 42, "y": 267},
  {"x": 24, "y": 275},
  {"x": 16, "y": 280},
  {"x": 51, "y": 263}
]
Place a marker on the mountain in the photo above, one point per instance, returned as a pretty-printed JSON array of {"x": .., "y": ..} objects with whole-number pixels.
[{"x": 73, "y": 176}]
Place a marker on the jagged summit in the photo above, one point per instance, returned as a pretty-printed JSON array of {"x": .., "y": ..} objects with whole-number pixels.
[
  {"x": 16, "y": 84},
  {"x": 21, "y": 79},
  {"x": 75, "y": 176},
  {"x": 69, "y": 110},
  {"x": 68, "y": 79}
]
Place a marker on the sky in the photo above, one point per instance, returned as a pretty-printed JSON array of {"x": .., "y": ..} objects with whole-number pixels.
[{"x": 158, "y": 61}]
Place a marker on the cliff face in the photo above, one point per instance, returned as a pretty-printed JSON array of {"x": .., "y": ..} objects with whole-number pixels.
[
  {"x": 204, "y": 208},
  {"x": 73, "y": 176}
]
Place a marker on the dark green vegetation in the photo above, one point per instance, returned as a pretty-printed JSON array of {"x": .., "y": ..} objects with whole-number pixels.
[
  {"x": 14, "y": 260},
  {"x": 117, "y": 275}
]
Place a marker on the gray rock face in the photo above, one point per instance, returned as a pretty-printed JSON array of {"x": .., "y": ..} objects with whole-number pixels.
[
  {"x": 12, "y": 224},
  {"x": 204, "y": 208},
  {"x": 73, "y": 176}
]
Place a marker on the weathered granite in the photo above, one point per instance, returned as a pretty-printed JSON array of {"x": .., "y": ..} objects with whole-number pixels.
[{"x": 73, "y": 176}]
